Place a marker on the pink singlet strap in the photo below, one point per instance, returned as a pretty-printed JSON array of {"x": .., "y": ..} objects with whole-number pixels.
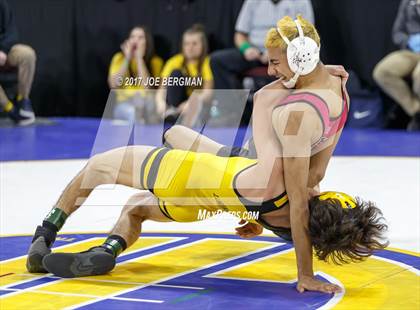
[{"x": 331, "y": 125}]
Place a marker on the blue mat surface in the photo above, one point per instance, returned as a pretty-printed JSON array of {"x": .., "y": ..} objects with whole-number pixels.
[{"x": 72, "y": 138}]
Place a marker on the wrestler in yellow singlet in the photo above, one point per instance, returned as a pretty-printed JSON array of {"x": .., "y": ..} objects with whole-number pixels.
[{"x": 186, "y": 182}]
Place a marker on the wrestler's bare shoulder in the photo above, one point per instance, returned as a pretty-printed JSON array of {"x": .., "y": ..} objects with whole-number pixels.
[
  {"x": 271, "y": 93},
  {"x": 275, "y": 85}
]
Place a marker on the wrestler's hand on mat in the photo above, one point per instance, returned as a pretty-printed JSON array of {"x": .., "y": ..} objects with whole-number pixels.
[
  {"x": 338, "y": 70},
  {"x": 249, "y": 230},
  {"x": 310, "y": 283}
]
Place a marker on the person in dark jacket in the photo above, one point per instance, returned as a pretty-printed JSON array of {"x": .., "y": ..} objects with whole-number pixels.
[{"x": 22, "y": 57}]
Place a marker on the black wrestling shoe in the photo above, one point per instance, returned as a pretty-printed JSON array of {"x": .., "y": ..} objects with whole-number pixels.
[
  {"x": 95, "y": 261},
  {"x": 36, "y": 253},
  {"x": 42, "y": 241}
]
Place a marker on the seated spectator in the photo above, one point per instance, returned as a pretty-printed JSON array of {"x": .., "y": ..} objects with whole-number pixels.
[
  {"x": 136, "y": 60},
  {"x": 391, "y": 72},
  {"x": 193, "y": 62},
  {"x": 22, "y": 57},
  {"x": 254, "y": 20}
]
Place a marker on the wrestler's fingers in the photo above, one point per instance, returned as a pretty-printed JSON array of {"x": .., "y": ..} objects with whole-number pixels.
[{"x": 240, "y": 229}]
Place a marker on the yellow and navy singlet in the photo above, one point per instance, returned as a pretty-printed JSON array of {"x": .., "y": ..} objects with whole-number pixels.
[{"x": 186, "y": 182}]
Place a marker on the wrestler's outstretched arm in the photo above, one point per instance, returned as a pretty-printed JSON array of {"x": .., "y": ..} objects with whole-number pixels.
[{"x": 297, "y": 127}]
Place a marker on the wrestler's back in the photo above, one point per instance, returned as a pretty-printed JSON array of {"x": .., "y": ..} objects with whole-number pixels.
[
  {"x": 266, "y": 179},
  {"x": 254, "y": 181}
]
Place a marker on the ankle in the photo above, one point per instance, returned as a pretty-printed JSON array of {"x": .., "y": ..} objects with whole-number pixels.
[
  {"x": 56, "y": 218},
  {"x": 114, "y": 245}
]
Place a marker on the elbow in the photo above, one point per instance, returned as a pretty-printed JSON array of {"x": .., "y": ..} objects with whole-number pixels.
[
  {"x": 319, "y": 176},
  {"x": 316, "y": 176}
]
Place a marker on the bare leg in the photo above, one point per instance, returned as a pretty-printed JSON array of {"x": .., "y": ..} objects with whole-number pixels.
[
  {"x": 184, "y": 138},
  {"x": 118, "y": 166},
  {"x": 140, "y": 207}
]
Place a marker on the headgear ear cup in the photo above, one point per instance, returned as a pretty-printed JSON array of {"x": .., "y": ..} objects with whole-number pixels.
[
  {"x": 302, "y": 55},
  {"x": 346, "y": 201}
]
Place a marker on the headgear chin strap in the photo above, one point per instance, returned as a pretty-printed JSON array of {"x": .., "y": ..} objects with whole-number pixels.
[
  {"x": 346, "y": 201},
  {"x": 302, "y": 55}
]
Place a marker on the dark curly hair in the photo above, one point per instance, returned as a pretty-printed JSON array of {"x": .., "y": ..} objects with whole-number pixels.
[{"x": 345, "y": 235}]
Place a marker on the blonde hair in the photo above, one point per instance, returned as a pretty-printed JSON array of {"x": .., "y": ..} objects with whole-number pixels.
[{"x": 287, "y": 26}]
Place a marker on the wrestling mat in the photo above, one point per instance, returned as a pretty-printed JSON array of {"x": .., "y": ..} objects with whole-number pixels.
[{"x": 206, "y": 271}]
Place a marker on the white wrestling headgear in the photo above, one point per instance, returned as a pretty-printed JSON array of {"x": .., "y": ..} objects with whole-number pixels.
[{"x": 302, "y": 55}]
